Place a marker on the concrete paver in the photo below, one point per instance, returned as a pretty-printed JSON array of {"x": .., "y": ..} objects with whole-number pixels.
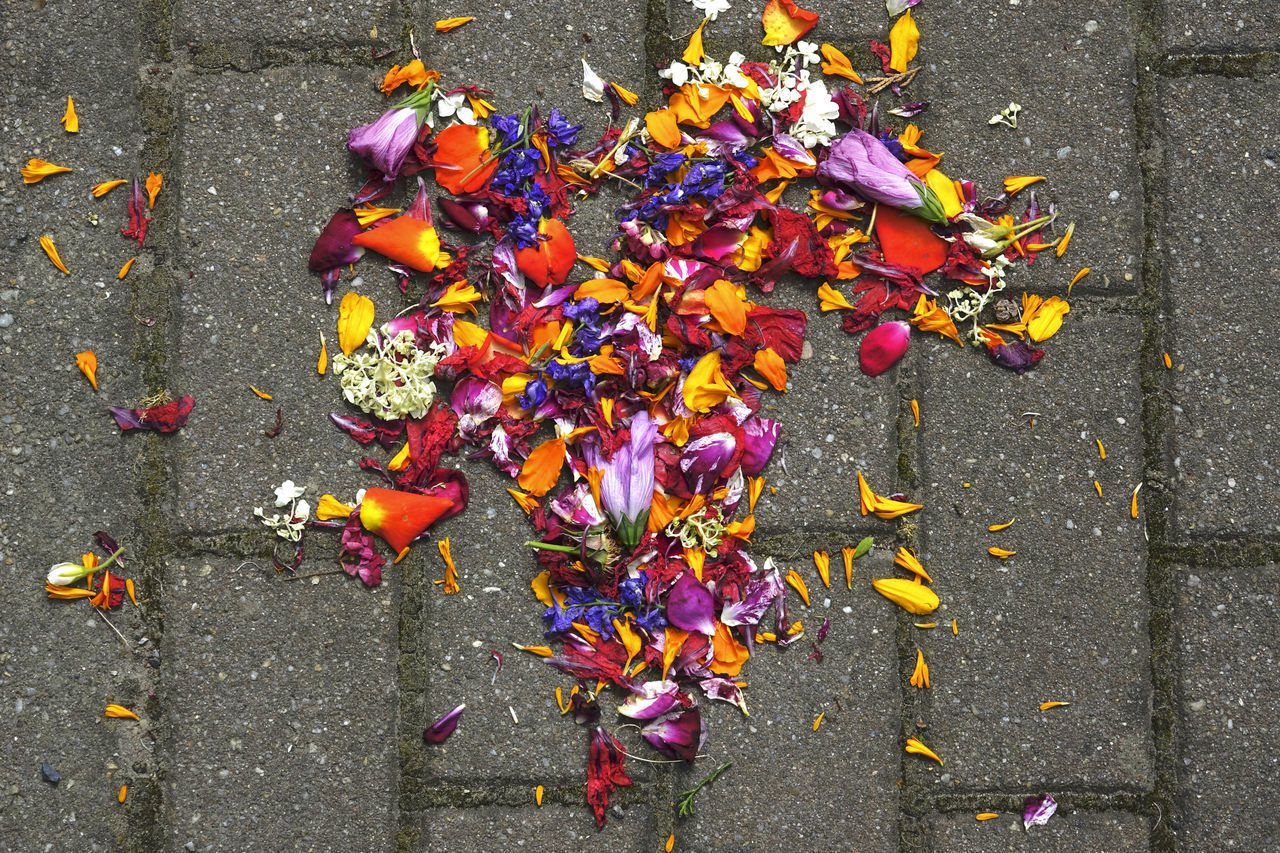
[{"x": 1068, "y": 831}]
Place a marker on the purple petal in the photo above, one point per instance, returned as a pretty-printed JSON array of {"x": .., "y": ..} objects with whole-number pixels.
[
  {"x": 383, "y": 144},
  {"x": 724, "y": 689},
  {"x": 788, "y": 146},
  {"x": 690, "y": 606},
  {"x": 653, "y": 699},
  {"x": 760, "y": 438},
  {"x": 443, "y": 727},
  {"x": 861, "y": 162},
  {"x": 759, "y": 594},
  {"x": 679, "y": 735},
  {"x": 703, "y": 460},
  {"x": 1036, "y": 811},
  {"x": 333, "y": 247}
]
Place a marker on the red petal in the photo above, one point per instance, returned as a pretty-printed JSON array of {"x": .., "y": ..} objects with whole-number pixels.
[{"x": 908, "y": 243}]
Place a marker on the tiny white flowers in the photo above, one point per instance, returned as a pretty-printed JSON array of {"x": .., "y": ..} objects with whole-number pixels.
[
  {"x": 394, "y": 381},
  {"x": 287, "y": 492}
]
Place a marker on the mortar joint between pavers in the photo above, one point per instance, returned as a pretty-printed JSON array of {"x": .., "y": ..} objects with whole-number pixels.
[{"x": 1222, "y": 62}]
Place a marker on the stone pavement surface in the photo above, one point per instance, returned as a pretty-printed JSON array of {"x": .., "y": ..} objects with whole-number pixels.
[{"x": 288, "y": 715}]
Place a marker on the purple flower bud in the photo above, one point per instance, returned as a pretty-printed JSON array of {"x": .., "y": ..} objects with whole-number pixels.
[
  {"x": 883, "y": 346},
  {"x": 384, "y": 144},
  {"x": 703, "y": 460},
  {"x": 679, "y": 736},
  {"x": 626, "y": 489},
  {"x": 443, "y": 727},
  {"x": 860, "y": 162}
]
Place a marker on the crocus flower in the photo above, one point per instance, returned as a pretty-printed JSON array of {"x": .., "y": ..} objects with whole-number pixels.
[
  {"x": 883, "y": 346},
  {"x": 860, "y": 162},
  {"x": 385, "y": 143},
  {"x": 626, "y": 489}
]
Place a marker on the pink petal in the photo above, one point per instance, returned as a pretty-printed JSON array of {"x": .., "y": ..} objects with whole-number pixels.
[{"x": 883, "y": 346}]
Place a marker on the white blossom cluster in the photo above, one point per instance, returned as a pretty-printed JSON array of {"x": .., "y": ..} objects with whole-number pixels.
[
  {"x": 816, "y": 125},
  {"x": 392, "y": 382},
  {"x": 291, "y": 524}
]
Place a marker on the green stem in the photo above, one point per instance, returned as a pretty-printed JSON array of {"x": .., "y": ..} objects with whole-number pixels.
[
  {"x": 686, "y": 797},
  {"x": 551, "y": 546}
]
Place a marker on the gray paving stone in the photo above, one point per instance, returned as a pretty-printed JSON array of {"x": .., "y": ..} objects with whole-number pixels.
[
  {"x": 251, "y": 312},
  {"x": 817, "y": 789},
  {"x": 1199, "y": 26},
  {"x": 455, "y": 634},
  {"x": 1064, "y": 619},
  {"x": 282, "y": 709},
  {"x": 1222, "y": 270},
  {"x": 550, "y": 828},
  {"x": 834, "y": 422},
  {"x": 1066, "y": 832},
  {"x": 226, "y": 32},
  {"x": 1227, "y": 643},
  {"x": 67, "y": 471}
]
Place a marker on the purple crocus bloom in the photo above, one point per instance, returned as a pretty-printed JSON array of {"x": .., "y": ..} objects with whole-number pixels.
[
  {"x": 384, "y": 144},
  {"x": 626, "y": 489},
  {"x": 860, "y": 162}
]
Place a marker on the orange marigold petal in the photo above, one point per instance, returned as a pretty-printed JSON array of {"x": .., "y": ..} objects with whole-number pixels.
[
  {"x": 542, "y": 467},
  {"x": 784, "y": 22},
  {"x": 404, "y": 239}
]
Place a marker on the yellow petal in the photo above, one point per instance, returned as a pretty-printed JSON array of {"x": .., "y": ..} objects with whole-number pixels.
[
  {"x": 124, "y": 792},
  {"x": 155, "y": 180},
  {"x": 540, "y": 651},
  {"x": 629, "y": 97},
  {"x": 997, "y": 527},
  {"x": 706, "y": 385},
  {"x": 1066, "y": 239},
  {"x": 1133, "y": 502},
  {"x": 355, "y": 318},
  {"x": 446, "y": 24},
  {"x": 1017, "y": 183},
  {"x": 1168, "y": 362},
  {"x": 1102, "y": 450},
  {"x": 797, "y": 583},
  {"x": 537, "y": 795},
  {"x": 121, "y": 712},
  {"x": 329, "y": 508},
  {"x": 671, "y": 843},
  {"x": 1097, "y": 487},
  {"x": 1046, "y": 318},
  {"x": 263, "y": 394},
  {"x": 87, "y": 361},
  {"x": 915, "y": 411},
  {"x": 99, "y": 190},
  {"x": 70, "y": 121},
  {"x": 693, "y": 53},
  {"x": 986, "y": 816},
  {"x": 822, "y": 561},
  {"x": 450, "y": 570},
  {"x": 37, "y": 170},
  {"x": 1044, "y": 706},
  {"x": 46, "y": 243},
  {"x": 1084, "y": 271},
  {"x": 925, "y": 624},
  {"x": 124, "y": 270},
  {"x": 947, "y": 191},
  {"x": 955, "y": 628},
  {"x": 904, "y": 40},
  {"x": 322, "y": 365},
  {"x": 920, "y": 678},
  {"x": 889, "y": 509},
  {"x": 458, "y": 298},
  {"x": 915, "y": 747},
  {"x": 830, "y": 299},
  {"x": 1000, "y": 552},
  {"x": 907, "y": 560},
  {"x": 369, "y": 214},
  {"x": 912, "y": 596},
  {"x": 818, "y": 721},
  {"x": 528, "y": 503}
]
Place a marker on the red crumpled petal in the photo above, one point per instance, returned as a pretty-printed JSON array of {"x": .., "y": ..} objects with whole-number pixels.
[
  {"x": 166, "y": 417},
  {"x": 907, "y": 242},
  {"x": 604, "y": 771}
]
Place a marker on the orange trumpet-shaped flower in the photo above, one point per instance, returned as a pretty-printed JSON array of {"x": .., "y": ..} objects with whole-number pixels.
[
  {"x": 462, "y": 160},
  {"x": 400, "y": 517},
  {"x": 550, "y": 261},
  {"x": 404, "y": 239}
]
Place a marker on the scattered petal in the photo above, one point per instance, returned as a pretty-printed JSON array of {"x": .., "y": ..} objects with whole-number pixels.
[
  {"x": 994, "y": 528},
  {"x": 915, "y": 747},
  {"x": 154, "y": 181},
  {"x": 99, "y": 190},
  {"x": 986, "y": 816},
  {"x": 124, "y": 270},
  {"x": 121, "y": 712},
  {"x": 46, "y": 243},
  {"x": 87, "y": 361},
  {"x": 1036, "y": 811},
  {"x": 37, "y": 170},
  {"x": 448, "y": 24},
  {"x": 355, "y": 318},
  {"x": 920, "y": 677},
  {"x": 904, "y": 41},
  {"x": 263, "y": 394},
  {"x": 1016, "y": 184},
  {"x": 440, "y": 730},
  {"x": 1044, "y": 706},
  {"x": 70, "y": 121},
  {"x": 784, "y": 22},
  {"x": 1000, "y": 552}
]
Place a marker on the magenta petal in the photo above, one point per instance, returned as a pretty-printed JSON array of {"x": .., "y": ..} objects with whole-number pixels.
[
  {"x": 724, "y": 689},
  {"x": 718, "y": 243},
  {"x": 333, "y": 247},
  {"x": 690, "y": 606},
  {"x": 443, "y": 727},
  {"x": 883, "y": 346},
  {"x": 653, "y": 699},
  {"x": 679, "y": 735},
  {"x": 760, "y": 436},
  {"x": 1036, "y": 811},
  {"x": 703, "y": 460}
]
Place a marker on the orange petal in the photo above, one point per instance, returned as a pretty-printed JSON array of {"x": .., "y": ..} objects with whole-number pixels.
[
  {"x": 837, "y": 64},
  {"x": 70, "y": 121},
  {"x": 37, "y": 170},
  {"x": 460, "y": 151},
  {"x": 550, "y": 261},
  {"x": 729, "y": 309},
  {"x": 355, "y": 318},
  {"x": 694, "y": 53},
  {"x": 46, "y": 243},
  {"x": 771, "y": 366},
  {"x": 661, "y": 125},
  {"x": 784, "y": 22},
  {"x": 400, "y": 517},
  {"x": 542, "y": 468},
  {"x": 87, "y": 361},
  {"x": 154, "y": 181},
  {"x": 99, "y": 190},
  {"x": 908, "y": 242},
  {"x": 448, "y": 24},
  {"x": 404, "y": 239},
  {"x": 124, "y": 270}
]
